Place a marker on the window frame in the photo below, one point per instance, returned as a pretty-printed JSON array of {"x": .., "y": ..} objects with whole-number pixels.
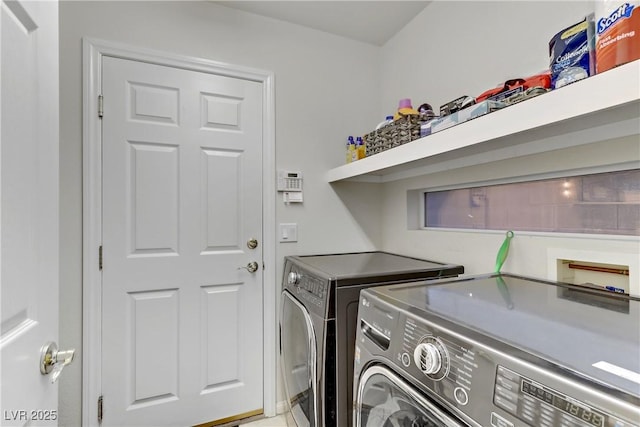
[{"x": 574, "y": 173}]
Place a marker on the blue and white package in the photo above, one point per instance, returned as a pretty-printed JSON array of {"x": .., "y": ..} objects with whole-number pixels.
[{"x": 571, "y": 53}]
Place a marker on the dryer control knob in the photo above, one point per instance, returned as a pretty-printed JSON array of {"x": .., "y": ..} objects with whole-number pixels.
[
  {"x": 427, "y": 358},
  {"x": 293, "y": 278}
]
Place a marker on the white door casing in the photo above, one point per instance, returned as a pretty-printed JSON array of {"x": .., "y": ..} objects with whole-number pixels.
[
  {"x": 175, "y": 224},
  {"x": 29, "y": 218}
]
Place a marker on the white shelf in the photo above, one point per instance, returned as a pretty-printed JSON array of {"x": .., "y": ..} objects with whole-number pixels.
[{"x": 601, "y": 107}]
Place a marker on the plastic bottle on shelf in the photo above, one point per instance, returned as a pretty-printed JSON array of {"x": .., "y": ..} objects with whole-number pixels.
[
  {"x": 354, "y": 152},
  {"x": 404, "y": 109},
  {"x": 351, "y": 149},
  {"x": 360, "y": 149},
  {"x": 387, "y": 120}
]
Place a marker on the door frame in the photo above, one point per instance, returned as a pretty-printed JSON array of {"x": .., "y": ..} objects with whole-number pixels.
[{"x": 93, "y": 51}]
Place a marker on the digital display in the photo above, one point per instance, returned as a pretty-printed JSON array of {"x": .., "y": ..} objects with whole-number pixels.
[{"x": 581, "y": 412}]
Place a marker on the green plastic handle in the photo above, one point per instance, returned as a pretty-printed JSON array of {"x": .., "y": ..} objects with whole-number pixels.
[{"x": 504, "y": 251}]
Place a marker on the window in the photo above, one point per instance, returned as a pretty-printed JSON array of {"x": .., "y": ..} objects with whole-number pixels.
[{"x": 604, "y": 203}]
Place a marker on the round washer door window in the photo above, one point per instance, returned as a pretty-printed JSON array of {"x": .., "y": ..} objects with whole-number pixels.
[{"x": 385, "y": 400}]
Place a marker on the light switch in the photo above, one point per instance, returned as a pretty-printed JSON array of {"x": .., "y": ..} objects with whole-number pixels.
[{"x": 289, "y": 232}]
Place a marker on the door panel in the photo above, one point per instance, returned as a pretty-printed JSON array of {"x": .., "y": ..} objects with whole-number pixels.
[
  {"x": 384, "y": 399},
  {"x": 29, "y": 191},
  {"x": 222, "y": 203},
  {"x": 154, "y": 198},
  {"x": 299, "y": 362},
  {"x": 221, "y": 305},
  {"x": 29, "y": 208},
  {"x": 154, "y": 325},
  {"x": 182, "y": 193}
]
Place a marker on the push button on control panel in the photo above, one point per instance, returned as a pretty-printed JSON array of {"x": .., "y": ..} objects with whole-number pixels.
[
  {"x": 498, "y": 421},
  {"x": 461, "y": 396},
  {"x": 406, "y": 360}
]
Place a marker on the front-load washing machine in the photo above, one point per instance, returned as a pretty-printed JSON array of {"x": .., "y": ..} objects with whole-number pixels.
[{"x": 496, "y": 350}]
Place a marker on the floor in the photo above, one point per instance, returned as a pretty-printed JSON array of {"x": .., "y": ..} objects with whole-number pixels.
[{"x": 278, "y": 421}]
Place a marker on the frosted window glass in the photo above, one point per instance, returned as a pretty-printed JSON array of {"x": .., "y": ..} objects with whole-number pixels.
[{"x": 606, "y": 203}]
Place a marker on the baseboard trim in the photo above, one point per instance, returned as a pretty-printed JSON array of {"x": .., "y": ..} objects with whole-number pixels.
[{"x": 281, "y": 407}]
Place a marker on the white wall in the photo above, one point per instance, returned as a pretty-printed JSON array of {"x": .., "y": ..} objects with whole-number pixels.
[
  {"x": 455, "y": 48},
  {"x": 449, "y": 50},
  {"x": 326, "y": 88},
  {"x": 477, "y": 250}
]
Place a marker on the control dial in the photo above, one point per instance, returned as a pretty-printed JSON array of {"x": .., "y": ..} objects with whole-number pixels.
[
  {"x": 293, "y": 278},
  {"x": 432, "y": 358},
  {"x": 427, "y": 358}
]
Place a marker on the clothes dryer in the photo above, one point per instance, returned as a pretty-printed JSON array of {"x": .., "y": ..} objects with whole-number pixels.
[{"x": 318, "y": 325}]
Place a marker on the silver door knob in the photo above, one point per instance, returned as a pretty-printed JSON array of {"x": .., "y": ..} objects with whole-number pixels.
[
  {"x": 252, "y": 267},
  {"x": 53, "y": 361}
]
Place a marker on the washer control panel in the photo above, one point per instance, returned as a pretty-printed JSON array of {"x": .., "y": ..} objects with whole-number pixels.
[
  {"x": 307, "y": 287},
  {"x": 539, "y": 405},
  {"x": 447, "y": 365},
  {"x": 312, "y": 288}
]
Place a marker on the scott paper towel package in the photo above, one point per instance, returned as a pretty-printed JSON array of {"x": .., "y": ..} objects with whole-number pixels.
[{"x": 618, "y": 33}]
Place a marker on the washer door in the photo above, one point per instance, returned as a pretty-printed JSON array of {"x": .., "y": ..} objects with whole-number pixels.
[
  {"x": 385, "y": 400},
  {"x": 298, "y": 358}
]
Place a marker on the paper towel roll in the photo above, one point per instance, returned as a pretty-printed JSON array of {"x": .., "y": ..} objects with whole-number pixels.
[{"x": 617, "y": 33}]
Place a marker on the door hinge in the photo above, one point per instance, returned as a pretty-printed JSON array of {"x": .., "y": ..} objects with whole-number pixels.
[
  {"x": 100, "y": 106},
  {"x": 100, "y": 258},
  {"x": 100, "y": 413}
]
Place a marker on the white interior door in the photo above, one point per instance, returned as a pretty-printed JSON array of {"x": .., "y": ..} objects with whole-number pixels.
[
  {"x": 29, "y": 215},
  {"x": 182, "y": 196}
]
